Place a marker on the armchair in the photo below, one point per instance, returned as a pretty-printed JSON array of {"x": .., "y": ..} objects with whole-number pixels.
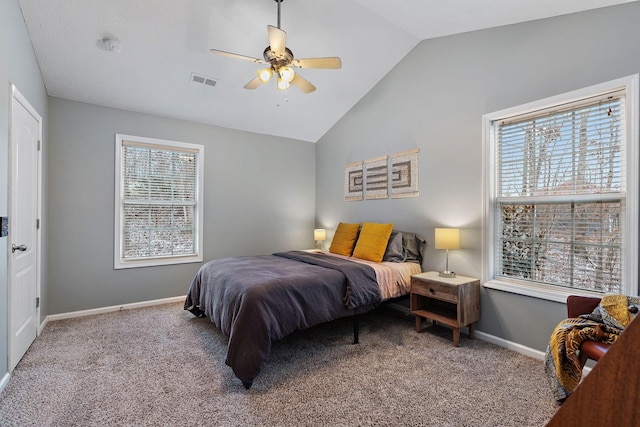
[{"x": 577, "y": 305}]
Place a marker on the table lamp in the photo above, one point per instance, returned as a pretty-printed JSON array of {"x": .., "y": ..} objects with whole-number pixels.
[
  {"x": 447, "y": 238},
  {"x": 320, "y": 235}
]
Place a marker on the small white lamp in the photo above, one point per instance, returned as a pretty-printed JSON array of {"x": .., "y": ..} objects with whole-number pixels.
[
  {"x": 320, "y": 235},
  {"x": 447, "y": 238}
]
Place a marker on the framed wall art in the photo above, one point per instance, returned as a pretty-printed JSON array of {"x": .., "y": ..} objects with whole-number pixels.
[
  {"x": 353, "y": 181},
  {"x": 376, "y": 178},
  {"x": 404, "y": 174}
]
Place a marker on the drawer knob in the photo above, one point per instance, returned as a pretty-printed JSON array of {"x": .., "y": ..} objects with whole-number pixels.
[{"x": 432, "y": 291}]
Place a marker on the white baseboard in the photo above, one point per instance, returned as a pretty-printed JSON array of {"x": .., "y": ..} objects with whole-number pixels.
[
  {"x": 4, "y": 381},
  {"x": 513, "y": 346},
  {"x": 42, "y": 325},
  {"x": 510, "y": 345},
  {"x": 110, "y": 309},
  {"x": 518, "y": 348}
]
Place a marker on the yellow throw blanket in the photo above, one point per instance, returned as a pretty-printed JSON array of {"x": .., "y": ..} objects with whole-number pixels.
[{"x": 604, "y": 324}]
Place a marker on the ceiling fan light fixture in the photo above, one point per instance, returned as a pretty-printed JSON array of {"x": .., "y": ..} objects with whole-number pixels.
[
  {"x": 282, "y": 85},
  {"x": 282, "y": 62},
  {"x": 265, "y": 75},
  {"x": 286, "y": 74}
]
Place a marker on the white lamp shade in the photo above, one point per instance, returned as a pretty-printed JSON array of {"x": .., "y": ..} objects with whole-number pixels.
[
  {"x": 319, "y": 234},
  {"x": 286, "y": 74},
  {"x": 282, "y": 85},
  {"x": 447, "y": 238},
  {"x": 265, "y": 75}
]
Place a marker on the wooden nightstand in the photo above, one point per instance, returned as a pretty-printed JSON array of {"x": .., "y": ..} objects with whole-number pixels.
[{"x": 453, "y": 301}]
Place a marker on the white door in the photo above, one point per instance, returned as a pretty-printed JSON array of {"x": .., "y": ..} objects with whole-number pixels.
[{"x": 24, "y": 234}]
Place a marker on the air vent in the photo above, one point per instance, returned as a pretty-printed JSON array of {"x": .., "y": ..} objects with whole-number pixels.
[{"x": 199, "y": 78}]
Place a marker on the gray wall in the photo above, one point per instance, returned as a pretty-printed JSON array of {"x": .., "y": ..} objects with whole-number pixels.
[
  {"x": 18, "y": 66},
  {"x": 434, "y": 100},
  {"x": 259, "y": 198}
]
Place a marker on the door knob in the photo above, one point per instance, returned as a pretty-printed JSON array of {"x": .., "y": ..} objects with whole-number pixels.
[{"x": 20, "y": 248}]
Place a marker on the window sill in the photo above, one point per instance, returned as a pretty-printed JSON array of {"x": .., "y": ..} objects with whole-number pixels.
[
  {"x": 548, "y": 293},
  {"x": 151, "y": 262}
]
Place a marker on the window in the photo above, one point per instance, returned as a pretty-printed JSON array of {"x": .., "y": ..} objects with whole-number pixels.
[
  {"x": 158, "y": 202},
  {"x": 561, "y": 194}
]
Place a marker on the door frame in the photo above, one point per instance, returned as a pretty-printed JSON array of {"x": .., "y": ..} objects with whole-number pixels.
[{"x": 17, "y": 97}]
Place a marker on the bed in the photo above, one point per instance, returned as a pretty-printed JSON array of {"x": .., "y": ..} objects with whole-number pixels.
[{"x": 256, "y": 300}]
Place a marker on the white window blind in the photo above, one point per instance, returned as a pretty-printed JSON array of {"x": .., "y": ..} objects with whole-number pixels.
[
  {"x": 159, "y": 202},
  {"x": 561, "y": 193}
]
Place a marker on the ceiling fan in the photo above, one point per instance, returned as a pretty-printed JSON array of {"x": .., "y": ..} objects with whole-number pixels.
[{"x": 281, "y": 62}]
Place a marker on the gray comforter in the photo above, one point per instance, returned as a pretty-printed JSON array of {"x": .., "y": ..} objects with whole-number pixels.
[{"x": 259, "y": 299}]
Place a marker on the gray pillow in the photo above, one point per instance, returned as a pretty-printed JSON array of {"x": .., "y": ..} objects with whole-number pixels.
[
  {"x": 412, "y": 249},
  {"x": 395, "y": 250},
  {"x": 414, "y": 246}
]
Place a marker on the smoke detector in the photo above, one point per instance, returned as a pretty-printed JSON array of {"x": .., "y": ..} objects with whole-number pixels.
[{"x": 111, "y": 44}]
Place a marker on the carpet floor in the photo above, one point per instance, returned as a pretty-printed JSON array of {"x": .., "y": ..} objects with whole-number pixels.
[{"x": 161, "y": 366}]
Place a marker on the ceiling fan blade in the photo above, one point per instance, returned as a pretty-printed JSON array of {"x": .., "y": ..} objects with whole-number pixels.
[
  {"x": 253, "y": 83},
  {"x": 277, "y": 40},
  {"x": 332, "y": 62},
  {"x": 236, "y": 56},
  {"x": 302, "y": 84}
]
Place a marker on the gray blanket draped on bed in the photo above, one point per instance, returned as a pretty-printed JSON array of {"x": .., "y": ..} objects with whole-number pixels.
[{"x": 259, "y": 299}]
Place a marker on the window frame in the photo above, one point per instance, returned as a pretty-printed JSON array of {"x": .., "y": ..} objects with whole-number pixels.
[
  {"x": 119, "y": 261},
  {"x": 629, "y": 273}
]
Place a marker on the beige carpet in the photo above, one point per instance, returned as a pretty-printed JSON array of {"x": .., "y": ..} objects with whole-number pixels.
[{"x": 160, "y": 366}]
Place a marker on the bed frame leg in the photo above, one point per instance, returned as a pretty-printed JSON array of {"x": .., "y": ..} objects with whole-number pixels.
[{"x": 355, "y": 329}]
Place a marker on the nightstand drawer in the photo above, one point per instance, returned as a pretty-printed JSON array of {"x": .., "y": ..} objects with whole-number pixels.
[{"x": 440, "y": 291}]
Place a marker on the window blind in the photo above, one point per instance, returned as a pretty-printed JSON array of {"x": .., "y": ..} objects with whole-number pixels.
[
  {"x": 159, "y": 197},
  {"x": 560, "y": 194}
]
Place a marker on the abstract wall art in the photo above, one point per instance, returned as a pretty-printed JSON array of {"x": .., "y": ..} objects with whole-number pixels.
[
  {"x": 353, "y": 181},
  {"x": 376, "y": 178},
  {"x": 371, "y": 179},
  {"x": 404, "y": 174}
]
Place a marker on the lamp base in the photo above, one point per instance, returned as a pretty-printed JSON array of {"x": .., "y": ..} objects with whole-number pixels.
[
  {"x": 319, "y": 245},
  {"x": 447, "y": 274}
]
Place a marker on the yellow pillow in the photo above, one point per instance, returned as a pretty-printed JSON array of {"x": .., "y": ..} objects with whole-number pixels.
[
  {"x": 344, "y": 239},
  {"x": 372, "y": 241}
]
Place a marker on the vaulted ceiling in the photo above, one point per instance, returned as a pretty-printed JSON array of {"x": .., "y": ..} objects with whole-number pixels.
[{"x": 164, "y": 43}]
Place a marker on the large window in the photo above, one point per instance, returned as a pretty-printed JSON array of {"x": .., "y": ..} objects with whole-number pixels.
[
  {"x": 562, "y": 194},
  {"x": 158, "y": 202}
]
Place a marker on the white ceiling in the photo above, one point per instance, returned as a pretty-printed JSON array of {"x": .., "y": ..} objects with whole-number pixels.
[{"x": 164, "y": 41}]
